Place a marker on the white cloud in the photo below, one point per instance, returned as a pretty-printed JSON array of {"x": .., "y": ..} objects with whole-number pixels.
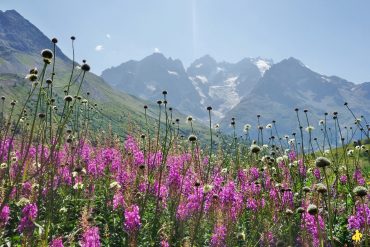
[
  {"x": 156, "y": 50},
  {"x": 99, "y": 48},
  {"x": 108, "y": 36}
]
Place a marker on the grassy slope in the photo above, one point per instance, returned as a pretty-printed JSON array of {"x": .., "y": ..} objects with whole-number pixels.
[{"x": 117, "y": 110}]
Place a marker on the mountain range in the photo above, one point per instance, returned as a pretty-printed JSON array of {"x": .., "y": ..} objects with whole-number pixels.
[{"x": 243, "y": 90}]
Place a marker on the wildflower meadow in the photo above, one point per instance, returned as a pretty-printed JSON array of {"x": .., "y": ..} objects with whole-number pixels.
[{"x": 66, "y": 182}]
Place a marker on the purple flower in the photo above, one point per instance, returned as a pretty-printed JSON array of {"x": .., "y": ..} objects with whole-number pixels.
[
  {"x": 343, "y": 179},
  {"x": 357, "y": 176},
  {"x": 4, "y": 215},
  {"x": 132, "y": 219},
  {"x": 316, "y": 173},
  {"x": 118, "y": 200},
  {"x": 29, "y": 214},
  {"x": 91, "y": 238},
  {"x": 58, "y": 242},
  {"x": 357, "y": 221},
  {"x": 218, "y": 237}
]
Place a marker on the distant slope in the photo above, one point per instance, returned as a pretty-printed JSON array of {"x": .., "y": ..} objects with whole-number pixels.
[{"x": 20, "y": 46}]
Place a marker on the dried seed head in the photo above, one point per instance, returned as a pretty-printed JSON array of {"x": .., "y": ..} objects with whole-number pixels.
[
  {"x": 85, "y": 67},
  {"x": 68, "y": 98},
  {"x": 360, "y": 191},
  {"x": 47, "y": 54},
  {"x": 321, "y": 188},
  {"x": 192, "y": 138},
  {"x": 255, "y": 149},
  {"x": 322, "y": 162},
  {"x": 312, "y": 209}
]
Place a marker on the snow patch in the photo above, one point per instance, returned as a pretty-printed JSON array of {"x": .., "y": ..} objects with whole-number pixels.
[
  {"x": 262, "y": 65},
  {"x": 325, "y": 78},
  {"x": 199, "y": 90},
  {"x": 172, "y": 72},
  {"x": 198, "y": 65},
  {"x": 201, "y": 78}
]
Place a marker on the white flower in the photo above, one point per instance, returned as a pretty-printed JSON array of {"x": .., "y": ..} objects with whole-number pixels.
[
  {"x": 309, "y": 128},
  {"x": 269, "y": 126},
  {"x": 279, "y": 159},
  {"x": 357, "y": 120},
  {"x": 189, "y": 119},
  {"x": 350, "y": 152},
  {"x": 78, "y": 185},
  {"x": 291, "y": 141},
  {"x": 3, "y": 165},
  {"x": 247, "y": 127},
  {"x": 114, "y": 184},
  {"x": 321, "y": 122}
]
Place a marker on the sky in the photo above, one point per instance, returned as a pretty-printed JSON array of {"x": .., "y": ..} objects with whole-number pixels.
[{"x": 331, "y": 37}]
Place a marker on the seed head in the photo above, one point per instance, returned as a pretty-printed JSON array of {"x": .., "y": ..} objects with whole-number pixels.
[
  {"x": 322, "y": 162},
  {"x": 54, "y": 40},
  {"x": 85, "y": 67},
  {"x": 192, "y": 138},
  {"x": 209, "y": 108},
  {"x": 255, "y": 149},
  {"x": 47, "y": 54},
  {"x": 68, "y": 98},
  {"x": 300, "y": 210},
  {"x": 312, "y": 209},
  {"x": 360, "y": 191},
  {"x": 306, "y": 189},
  {"x": 321, "y": 188}
]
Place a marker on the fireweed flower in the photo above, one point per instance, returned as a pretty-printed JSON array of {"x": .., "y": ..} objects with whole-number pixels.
[
  {"x": 58, "y": 242},
  {"x": 357, "y": 221},
  {"x": 4, "y": 215},
  {"x": 91, "y": 238},
  {"x": 29, "y": 215},
  {"x": 309, "y": 222},
  {"x": 343, "y": 179},
  {"x": 218, "y": 237},
  {"x": 357, "y": 176},
  {"x": 132, "y": 219}
]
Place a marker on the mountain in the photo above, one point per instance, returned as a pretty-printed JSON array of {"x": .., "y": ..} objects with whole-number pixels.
[
  {"x": 243, "y": 90},
  {"x": 290, "y": 84},
  {"x": 152, "y": 75},
  {"x": 223, "y": 85},
  {"x": 206, "y": 82},
  {"x": 20, "y": 46}
]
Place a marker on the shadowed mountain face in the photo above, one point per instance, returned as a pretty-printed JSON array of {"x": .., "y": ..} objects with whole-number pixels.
[
  {"x": 149, "y": 77},
  {"x": 290, "y": 84},
  {"x": 244, "y": 89}
]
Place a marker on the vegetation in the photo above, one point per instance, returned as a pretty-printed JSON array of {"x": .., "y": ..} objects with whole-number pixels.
[{"x": 65, "y": 181}]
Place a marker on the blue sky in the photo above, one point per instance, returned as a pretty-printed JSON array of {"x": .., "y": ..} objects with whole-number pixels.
[{"x": 330, "y": 36}]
